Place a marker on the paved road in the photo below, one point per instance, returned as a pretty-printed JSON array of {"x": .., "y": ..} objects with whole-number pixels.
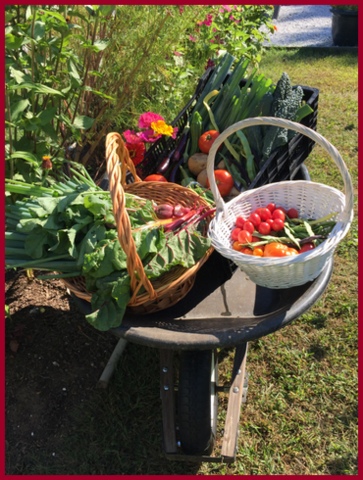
[{"x": 302, "y": 26}]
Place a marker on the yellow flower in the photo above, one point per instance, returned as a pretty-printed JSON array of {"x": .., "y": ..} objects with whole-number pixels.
[{"x": 162, "y": 128}]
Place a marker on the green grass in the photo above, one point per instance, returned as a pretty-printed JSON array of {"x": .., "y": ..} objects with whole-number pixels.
[{"x": 301, "y": 412}]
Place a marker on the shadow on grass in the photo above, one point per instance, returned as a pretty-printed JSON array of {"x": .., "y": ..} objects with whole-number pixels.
[{"x": 119, "y": 430}]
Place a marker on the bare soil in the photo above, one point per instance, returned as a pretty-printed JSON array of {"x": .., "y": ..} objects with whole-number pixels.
[{"x": 54, "y": 358}]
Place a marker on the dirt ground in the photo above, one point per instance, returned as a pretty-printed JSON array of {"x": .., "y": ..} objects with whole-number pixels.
[{"x": 53, "y": 360}]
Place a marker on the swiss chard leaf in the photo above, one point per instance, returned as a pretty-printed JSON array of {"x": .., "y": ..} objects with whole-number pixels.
[
  {"x": 109, "y": 302},
  {"x": 184, "y": 249}
]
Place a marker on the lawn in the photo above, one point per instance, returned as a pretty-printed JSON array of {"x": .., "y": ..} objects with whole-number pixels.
[{"x": 300, "y": 417}]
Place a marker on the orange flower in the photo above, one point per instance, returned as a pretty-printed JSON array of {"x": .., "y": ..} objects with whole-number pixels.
[{"x": 46, "y": 162}]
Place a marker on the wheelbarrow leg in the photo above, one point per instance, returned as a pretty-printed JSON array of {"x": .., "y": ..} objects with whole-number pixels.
[{"x": 229, "y": 445}]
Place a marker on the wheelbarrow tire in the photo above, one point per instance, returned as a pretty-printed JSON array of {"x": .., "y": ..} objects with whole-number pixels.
[{"x": 194, "y": 402}]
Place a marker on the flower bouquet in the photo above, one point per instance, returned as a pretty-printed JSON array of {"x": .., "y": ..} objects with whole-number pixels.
[{"x": 152, "y": 127}]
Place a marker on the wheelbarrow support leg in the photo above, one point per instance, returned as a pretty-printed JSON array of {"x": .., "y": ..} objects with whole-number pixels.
[{"x": 229, "y": 444}]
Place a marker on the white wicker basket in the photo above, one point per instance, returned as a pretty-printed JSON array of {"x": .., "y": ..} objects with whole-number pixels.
[{"x": 312, "y": 200}]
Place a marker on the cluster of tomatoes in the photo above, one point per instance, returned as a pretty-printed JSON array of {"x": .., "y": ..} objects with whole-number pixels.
[{"x": 247, "y": 234}]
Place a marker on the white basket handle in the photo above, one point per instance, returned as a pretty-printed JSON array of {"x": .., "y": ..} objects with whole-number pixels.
[{"x": 279, "y": 122}]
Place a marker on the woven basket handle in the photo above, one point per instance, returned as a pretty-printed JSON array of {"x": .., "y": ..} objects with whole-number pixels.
[
  {"x": 118, "y": 162},
  {"x": 279, "y": 122}
]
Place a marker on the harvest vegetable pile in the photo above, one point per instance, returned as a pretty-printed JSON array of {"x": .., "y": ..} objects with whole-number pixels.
[
  {"x": 68, "y": 227},
  {"x": 233, "y": 92},
  {"x": 274, "y": 231}
]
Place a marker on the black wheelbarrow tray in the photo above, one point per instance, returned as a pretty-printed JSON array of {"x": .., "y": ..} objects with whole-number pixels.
[{"x": 224, "y": 309}]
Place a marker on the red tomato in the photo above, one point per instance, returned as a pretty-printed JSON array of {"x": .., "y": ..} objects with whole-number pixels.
[
  {"x": 278, "y": 213},
  {"x": 224, "y": 181},
  {"x": 277, "y": 225},
  {"x": 255, "y": 219},
  {"x": 292, "y": 213},
  {"x": 206, "y": 139},
  {"x": 235, "y": 232},
  {"x": 240, "y": 222},
  {"x": 270, "y": 221},
  {"x": 264, "y": 213},
  {"x": 271, "y": 207},
  {"x": 249, "y": 226},
  {"x": 307, "y": 247},
  {"x": 155, "y": 177},
  {"x": 281, "y": 208},
  {"x": 244, "y": 237},
  {"x": 264, "y": 228}
]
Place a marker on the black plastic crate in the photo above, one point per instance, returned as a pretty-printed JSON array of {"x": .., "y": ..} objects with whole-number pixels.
[
  {"x": 162, "y": 147},
  {"x": 282, "y": 164},
  {"x": 285, "y": 161}
]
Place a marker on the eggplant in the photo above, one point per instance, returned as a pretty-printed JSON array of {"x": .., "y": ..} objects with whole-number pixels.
[
  {"x": 175, "y": 170},
  {"x": 165, "y": 163},
  {"x": 179, "y": 150}
]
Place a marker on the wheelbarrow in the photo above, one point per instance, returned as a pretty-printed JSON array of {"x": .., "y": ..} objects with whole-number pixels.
[{"x": 224, "y": 309}]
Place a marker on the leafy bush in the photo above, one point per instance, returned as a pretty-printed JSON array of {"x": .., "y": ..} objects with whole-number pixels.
[
  {"x": 240, "y": 30},
  {"x": 74, "y": 73}
]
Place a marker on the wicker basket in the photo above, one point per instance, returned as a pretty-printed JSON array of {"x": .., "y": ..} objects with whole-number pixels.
[
  {"x": 313, "y": 200},
  {"x": 147, "y": 296}
]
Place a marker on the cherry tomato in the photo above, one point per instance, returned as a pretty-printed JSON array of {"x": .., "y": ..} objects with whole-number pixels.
[
  {"x": 235, "y": 232},
  {"x": 276, "y": 249},
  {"x": 281, "y": 208},
  {"x": 249, "y": 226},
  {"x": 246, "y": 250},
  {"x": 271, "y": 207},
  {"x": 292, "y": 213},
  {"x": 291, "y": 251},
  {"x": 307, "y": 247},
  {"x": 255, "y": 239},
  {"x": 264, "y": 228},
  {"x": 255, "y": 219},
  {"x": 258, "y": 251},
  {"x": 155, "y": 177},
  {"x": 278, "y": 213},
  {"x": 237, "y": 246},
  {"x": 240, "y": 222},
  {"x": 277, "y": 225},
  {"x": 270, "y": 221},
  {"x": 224, "y": 181},
  {"x": 206, "y": 139},
  {"x": 264, "y": 213},
  {"x": 244, "y": 237}
]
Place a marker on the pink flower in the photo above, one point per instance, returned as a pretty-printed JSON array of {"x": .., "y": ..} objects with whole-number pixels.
[
  {"x": 131, "y": 136},
  {"x": 147, "y": 118},
  {"x": 208, "y": 20},
  {"x": 192, "y": 38},
  {"x": 225, "y": 8}
]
